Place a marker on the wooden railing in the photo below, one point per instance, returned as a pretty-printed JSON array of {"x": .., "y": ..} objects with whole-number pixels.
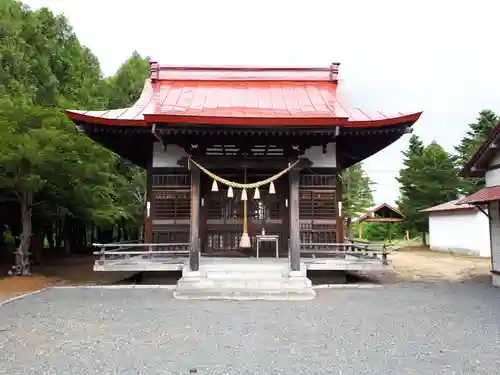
[
  {"x": 360, "y": 250},
  {"x": 124, "y": 251}
]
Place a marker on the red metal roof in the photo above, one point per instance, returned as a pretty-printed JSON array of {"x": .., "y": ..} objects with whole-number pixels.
[
  {"x": 242, "y": 96},
  {"x": 453, "y": 205},
  {"x": 485, "y": 195}
]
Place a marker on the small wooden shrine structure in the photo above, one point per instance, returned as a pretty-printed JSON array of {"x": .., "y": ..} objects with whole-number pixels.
[
  {"x": 382, "y": 213},
  {"x": 234, "y": 154}
]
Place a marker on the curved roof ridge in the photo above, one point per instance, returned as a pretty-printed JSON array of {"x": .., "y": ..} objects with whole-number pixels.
[{"x": 244, "y": 73}]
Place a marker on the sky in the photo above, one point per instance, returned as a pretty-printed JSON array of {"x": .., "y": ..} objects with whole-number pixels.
[{"x": 436, "y": 56}]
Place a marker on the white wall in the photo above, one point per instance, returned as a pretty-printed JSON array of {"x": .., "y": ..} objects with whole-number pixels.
[
  {"x": 493, "y": 177},
  {"x": 168, "y": 158},
  {"x": 173, "y": 153},
  {"x": 465, "y": 231},
  {"x": 319, "y": 159},
  {"x": 495, "y": 234}
]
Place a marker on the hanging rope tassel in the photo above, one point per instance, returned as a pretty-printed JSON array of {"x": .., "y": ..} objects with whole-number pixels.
[
  {"x": 215, "y": 187},
  {"x": 252, "y": 185},
  {"x": 244, "y": 195},
  {"x": 230, "y": 193},
  {"x": 256, "y": 194},
  {"x": 271, "y": 188}
]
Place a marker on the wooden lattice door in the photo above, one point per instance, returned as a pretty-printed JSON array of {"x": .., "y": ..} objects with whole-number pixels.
[
  {"x": 318, "y": 208},
  {"x": 223, "y": 217},
  {"x": 270, "y": 213}
]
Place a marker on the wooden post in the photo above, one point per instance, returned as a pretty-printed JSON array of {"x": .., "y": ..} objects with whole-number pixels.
[
  {"x": 339, "y": 214},
  {"x": 294, "y": 249},
  {"x": 360, "y": 230},
  {"x": 194, "y": 248},
  {"x": 149, "y": 213}
]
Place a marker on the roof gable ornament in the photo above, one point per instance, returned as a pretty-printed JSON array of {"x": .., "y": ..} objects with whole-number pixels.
[
  {"x": 154, "y": 70},
  {"x": 334, "y": 72}
]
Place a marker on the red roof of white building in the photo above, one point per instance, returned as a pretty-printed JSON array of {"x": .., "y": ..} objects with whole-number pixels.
[{"x": 453, "y": 205}]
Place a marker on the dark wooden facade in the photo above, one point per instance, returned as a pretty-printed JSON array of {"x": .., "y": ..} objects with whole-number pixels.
[{"x": 221, "y": 218}]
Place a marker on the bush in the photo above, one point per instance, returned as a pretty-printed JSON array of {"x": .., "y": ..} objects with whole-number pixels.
[{"x": 380, "y": 231}]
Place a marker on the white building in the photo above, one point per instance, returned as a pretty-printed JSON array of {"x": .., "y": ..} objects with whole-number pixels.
[
  {"x": 459, "y": 228},
  {"x": 486, "y": 163}
]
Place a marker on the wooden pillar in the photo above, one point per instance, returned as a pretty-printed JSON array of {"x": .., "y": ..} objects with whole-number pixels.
[
  {"x": 294, "y": 250},
  {"x": 148, "y": 222},
  {"x": 338, "y": 205},
  {"x": 360, "y": 230},
  {"x": 194, "y": 248}
]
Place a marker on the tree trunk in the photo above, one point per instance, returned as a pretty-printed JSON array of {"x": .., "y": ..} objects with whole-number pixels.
[
  {"x": 67, "y": 236},
  {"x": 22, "y": 256},
  {"x": 59, "y": 234},
  {"x": 424, "y": 239},
  {"x": 37, "y": 239}
]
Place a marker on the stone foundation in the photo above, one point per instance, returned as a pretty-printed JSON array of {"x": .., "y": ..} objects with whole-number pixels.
[
  {"x": 495, "y": 280},
  {"x": 245, "y": 279}
]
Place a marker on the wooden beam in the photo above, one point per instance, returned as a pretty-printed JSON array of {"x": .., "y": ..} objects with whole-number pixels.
[
  {"x": 268, "y": 162},
  {"x": 294, "y": 221},
  {"x": 194, "y": 253},
  {"x": 383, "y": 220}
]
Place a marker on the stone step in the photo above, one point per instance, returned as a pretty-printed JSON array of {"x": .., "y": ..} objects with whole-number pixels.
[
  {"x": 300, "y": 294},
  {"x": 243, "y": 266},
  {"x": 244, "y": 274},
  {"x": 269, "y": 284}
]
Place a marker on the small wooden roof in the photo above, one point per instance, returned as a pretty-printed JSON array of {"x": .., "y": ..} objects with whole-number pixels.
[
  {"x": 243, "y": 96},
  {"x": 381, "y": 213}
]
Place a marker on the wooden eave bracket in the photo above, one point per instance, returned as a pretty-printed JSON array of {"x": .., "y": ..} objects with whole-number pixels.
[
  {"x": 478, "y": 206},
  {"x": 408, "y": 130}
]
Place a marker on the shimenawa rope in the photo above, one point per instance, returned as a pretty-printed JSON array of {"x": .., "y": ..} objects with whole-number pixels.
[{"x": 237, "y": 185}]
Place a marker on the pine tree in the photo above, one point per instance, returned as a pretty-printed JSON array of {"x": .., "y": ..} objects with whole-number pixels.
[
  {"x": 429, "y": 177},
  {"x": 357, "y": 193},
  {"x": 478, "y": 132}
]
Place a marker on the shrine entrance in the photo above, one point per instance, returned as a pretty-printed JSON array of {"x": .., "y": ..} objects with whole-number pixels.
[{"x": 221, "y": 216}]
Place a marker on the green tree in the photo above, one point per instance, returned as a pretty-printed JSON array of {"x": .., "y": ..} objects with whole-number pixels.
[
  {"x": 357, "y": 193},
  {"x": 478, "y": 132},
  {"x": 126, "y": 85},
  {"x": 63, "y": 182},
  {"x": 378, "y": 231},
  {"x": 429, "y": 177}
]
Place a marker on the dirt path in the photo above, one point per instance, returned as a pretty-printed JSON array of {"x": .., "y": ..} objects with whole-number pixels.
[
  {"x": 425, "y": 265},
  {"x": 74, "y": 271}
]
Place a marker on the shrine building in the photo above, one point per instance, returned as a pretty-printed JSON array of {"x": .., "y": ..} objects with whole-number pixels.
[{"x": 242, "y": 162}]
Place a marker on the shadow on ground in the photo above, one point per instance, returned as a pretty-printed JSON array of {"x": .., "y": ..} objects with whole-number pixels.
[{"x": 317, "y": 278}]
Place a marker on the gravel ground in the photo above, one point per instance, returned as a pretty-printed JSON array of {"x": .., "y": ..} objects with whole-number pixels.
[{"x": 404, "y": 328}]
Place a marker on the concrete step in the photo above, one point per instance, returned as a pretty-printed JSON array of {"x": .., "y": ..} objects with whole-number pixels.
[
  {"x": 244, "y": 274},
  {"x": 269, "y": 284},
  {"x": 301, "y": 294},
  {"x": 245, "y": 266}
]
